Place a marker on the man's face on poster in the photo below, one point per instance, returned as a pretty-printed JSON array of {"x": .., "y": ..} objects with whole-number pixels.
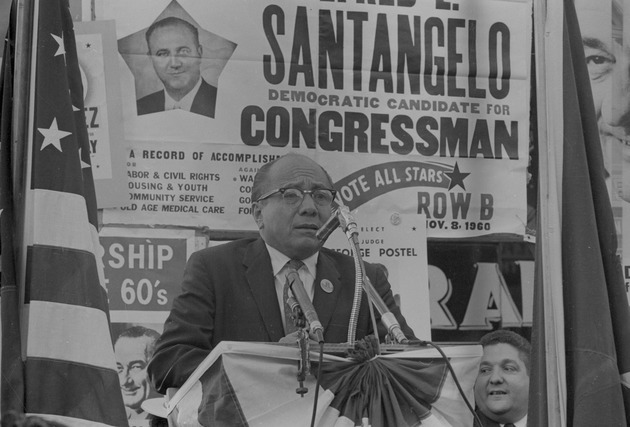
[
  {"x": 131, "y": 361},
  {"x": 608, "y": 62},
  {"x": 176, "y": 57}
]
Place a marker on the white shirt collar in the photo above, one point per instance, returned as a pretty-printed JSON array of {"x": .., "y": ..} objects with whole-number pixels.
[
  {"x": 185, "y": 103},
  {"x": 278, "y": 261},
  {"x": 520, "y": 423}
]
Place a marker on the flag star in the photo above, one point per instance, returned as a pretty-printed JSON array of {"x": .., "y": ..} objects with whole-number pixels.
[
  {"x": 84, "y": 165},
  {"x": 75, "y": 109},
  {"x": 52, "y": 135},
  {"x": 61, "y": 50}
]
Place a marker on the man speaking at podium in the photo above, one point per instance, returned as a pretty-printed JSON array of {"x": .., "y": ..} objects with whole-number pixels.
[{"x": 235, "y": 291}]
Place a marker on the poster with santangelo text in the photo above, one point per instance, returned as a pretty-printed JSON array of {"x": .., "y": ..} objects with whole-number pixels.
[{"x": 414, "y": 107}]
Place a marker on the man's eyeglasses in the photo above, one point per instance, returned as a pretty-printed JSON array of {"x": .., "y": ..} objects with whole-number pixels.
[{"x": 294, "y": 196}]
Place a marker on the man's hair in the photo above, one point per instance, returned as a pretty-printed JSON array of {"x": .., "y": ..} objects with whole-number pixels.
[
  {"x": 139, "y": 332},
  {"x": 504, "y": 336},
  {"x": 171, "y": 21},
  {"x": 263, "y": 173}
]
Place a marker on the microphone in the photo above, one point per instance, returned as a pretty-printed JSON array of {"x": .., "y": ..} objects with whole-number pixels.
[
  {"x": 329, "y": 226},
  {"x": 297, "y": 287},
  {"x": 341, "y": 216},
  {"x": 300, "y": 322},
  {"x": 347, "y": 221}
]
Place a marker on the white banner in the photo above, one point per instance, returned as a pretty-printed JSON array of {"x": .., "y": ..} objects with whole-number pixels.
[{"x": 421, "y": 107}]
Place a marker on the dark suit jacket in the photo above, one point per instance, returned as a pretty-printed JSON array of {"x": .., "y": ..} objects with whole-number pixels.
[
  {"x": 485, "y": 421},
  {"x": 204, "y": 102},
  {"x": 228, "y": 294}
]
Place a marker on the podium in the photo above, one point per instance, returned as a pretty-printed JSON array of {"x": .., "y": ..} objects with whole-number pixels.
[{"x": 254, "y": 384}]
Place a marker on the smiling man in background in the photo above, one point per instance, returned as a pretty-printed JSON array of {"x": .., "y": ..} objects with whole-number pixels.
[
  {"x": 502, "y": 385},
  {"x": 176, "y": 55}
]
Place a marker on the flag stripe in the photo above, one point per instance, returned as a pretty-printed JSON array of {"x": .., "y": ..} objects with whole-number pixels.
[
  {"x": 69, "y": 276},
  {"x": 61, "y": 219},
  {"x": 74, "y": 229},
  {"x": 92, "y": 398},
  {"x": 50, "y": 325}
]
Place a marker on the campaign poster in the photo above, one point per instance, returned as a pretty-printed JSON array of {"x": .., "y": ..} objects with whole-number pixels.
[
  {"x": 143, "y": 270},
  {"x": 605, "y": 29},
  {"x": 101, "y": 99},
  {"x": 417, "y": 107},
  {"x": 397, "y": 243}
]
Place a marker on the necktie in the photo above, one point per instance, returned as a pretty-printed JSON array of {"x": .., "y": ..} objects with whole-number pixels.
[
  {"x": 289, "y": 323},
  {"x": 509, "y": 425}
]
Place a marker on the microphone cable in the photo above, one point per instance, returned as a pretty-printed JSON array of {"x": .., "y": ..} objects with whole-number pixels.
[
  {"x": 452, "y": 371},
  {"x": 317, "y": 383}
]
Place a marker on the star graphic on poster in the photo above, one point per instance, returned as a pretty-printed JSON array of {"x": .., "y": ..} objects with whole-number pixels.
[
  {"x": 456, "y": 177},
  {"x": 52, "y": 135},
  {"x": 61, "y": 50}
]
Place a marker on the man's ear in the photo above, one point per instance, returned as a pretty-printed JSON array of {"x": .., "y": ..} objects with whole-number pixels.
[{"x": 257, "y": 214}]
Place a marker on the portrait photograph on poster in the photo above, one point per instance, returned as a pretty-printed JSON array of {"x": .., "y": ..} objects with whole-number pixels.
[{"x": 189, "y": 82}]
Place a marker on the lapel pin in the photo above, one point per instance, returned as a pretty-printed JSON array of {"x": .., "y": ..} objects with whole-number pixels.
[{"x": 326, "y": 285}]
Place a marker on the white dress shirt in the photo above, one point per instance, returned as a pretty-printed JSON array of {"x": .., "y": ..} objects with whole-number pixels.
[
  {"x": 280, "y": 270},
  {"x": 183, "y": 104},
  {"x": 520, "y": 423}
]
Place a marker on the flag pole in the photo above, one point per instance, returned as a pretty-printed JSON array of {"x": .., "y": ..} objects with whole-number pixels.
[
  {"x": 548, "y": 33},
  {"x": 26, "y": 33},
  {"x": 15, "y": 106},
  {"x": 21, "y": 91}
]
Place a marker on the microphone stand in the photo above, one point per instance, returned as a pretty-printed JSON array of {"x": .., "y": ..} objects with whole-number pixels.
[
  {"x": 349, "y": 226},
  {"x": 304, "y": 363}
]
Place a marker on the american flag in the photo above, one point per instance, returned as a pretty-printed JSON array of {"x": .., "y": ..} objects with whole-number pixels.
[{"x": 69, "y": 369}]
